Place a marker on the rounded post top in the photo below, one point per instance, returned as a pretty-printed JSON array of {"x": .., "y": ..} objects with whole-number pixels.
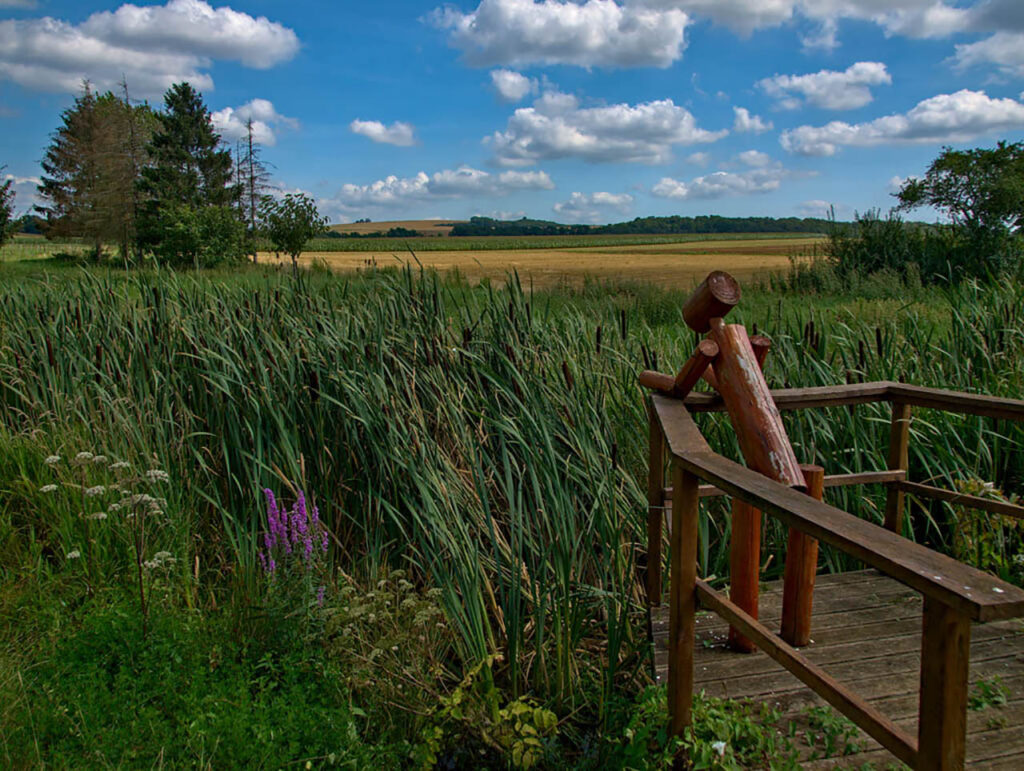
[{"x": 714, "y": 298}]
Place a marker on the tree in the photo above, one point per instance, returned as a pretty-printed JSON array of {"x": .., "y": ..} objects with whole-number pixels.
[
  {"x": 7, "y": 221},
  {"x": 91, "y": 168},
  {"x": 253, "y": 180},
  {"x": 982, "y": 193},
  {"x": 188, "y": 173},
  {"x": 289, "y": 224}
]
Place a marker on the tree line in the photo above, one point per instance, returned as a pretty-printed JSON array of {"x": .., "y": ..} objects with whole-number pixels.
[
  {"x": 161, "y": 185},
  {"x": 671, "y": 225}
]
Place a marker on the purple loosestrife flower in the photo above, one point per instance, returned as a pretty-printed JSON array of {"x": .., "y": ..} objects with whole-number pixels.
[{"x": 296, "y": 531}]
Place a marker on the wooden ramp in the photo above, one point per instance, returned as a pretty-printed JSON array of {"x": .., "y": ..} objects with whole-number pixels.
[{"x": 866, "y": 633}]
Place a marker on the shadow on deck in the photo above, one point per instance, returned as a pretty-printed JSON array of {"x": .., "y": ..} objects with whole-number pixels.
[{"x": 866, "y": 632}]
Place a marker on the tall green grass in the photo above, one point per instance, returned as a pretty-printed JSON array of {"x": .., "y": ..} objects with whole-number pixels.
[{"x": 490, "y": 442}]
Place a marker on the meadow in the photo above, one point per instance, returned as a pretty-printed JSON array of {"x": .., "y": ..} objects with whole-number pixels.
[{"x": 475, "y": 453}]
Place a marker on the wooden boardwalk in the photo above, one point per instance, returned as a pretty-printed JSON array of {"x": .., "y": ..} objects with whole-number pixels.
[{"x": 866, "y": 633}]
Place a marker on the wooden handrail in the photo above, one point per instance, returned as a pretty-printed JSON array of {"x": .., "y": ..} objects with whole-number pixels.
[
  {"x": 878, "y": 391},
  {"x": 969, "y": 591}
]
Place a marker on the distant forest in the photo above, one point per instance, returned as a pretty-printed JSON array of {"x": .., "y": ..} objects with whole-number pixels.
[{"x": 485, "y": 226}]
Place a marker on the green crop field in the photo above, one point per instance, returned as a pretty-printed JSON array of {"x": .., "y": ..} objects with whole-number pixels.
[{"x": 476, "y": 456}]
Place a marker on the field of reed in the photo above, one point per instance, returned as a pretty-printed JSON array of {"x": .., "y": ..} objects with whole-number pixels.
[{"x": 477, "y": 452}]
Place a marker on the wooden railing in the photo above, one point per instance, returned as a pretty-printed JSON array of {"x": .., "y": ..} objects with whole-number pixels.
[{"x": 955, "y": 595}]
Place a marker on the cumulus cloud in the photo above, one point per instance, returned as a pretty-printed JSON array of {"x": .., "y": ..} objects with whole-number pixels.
[
  {"x": 25, "y": 191},
  {"x": 1004, "y": 49},
  {"x": 512, "y": 86},
  {"x": 821, "y": 39},
  {"x": 754, "y": 158},
  {"x": 910, "y": 18},
  {"x": 828, "y": 89},
  {"x": 958, "y": 117},
  {"x": 747, "y": 122},
  {"x": 593, "y": 207},
  {"x": 155, "y": 46},
  {"x": 231, "y": 122},
  {"x": 699, "y": 159},
  {"x": 462, "y": 182},
  {"x": 17, "y": 3},
  {"x": 555, "y": 126},
  {"x": 816, "y": 208},
  {"x": 722, "y": 184},
  {"x": 398, "y": 133},
  {"x": 592, "y": 33}
]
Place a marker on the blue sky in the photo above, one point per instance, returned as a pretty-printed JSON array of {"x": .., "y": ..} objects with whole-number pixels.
[{"x": 587, "y": 111}]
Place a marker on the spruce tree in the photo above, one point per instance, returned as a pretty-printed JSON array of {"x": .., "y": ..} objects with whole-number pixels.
[
  {"x": 189, "y": 176},
  {"x": 91, "y": 169}
]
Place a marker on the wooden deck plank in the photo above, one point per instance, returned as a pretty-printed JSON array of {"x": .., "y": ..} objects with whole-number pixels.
[{"x": 866, "y": 633}]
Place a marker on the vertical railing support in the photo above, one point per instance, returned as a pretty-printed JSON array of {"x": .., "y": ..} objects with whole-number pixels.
[
  {"x": 945, "y": 659},
  {"x": 655, "y": 507},
  {"x": 801, "y": 569},
  {"x": 899, "y": 442},
  {"x": 682, "y": 597},
  {"x": 744, "y": 566}
]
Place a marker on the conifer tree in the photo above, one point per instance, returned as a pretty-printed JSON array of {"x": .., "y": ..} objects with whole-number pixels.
[
  {"x": 7, "y": 220},
  {"x": 187, "y": 215}
]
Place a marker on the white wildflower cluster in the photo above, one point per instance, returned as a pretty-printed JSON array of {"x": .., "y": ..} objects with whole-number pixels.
[
  {"x": 48, "y": 488},
  {"x": 52, "y": 460},
  {"x": 73, "y": 555},
  {"x": 162, "y": 559},
  {"x": 120, "y": 466},
  {"x": 82, "y": 458},
  {"x": 99, "y": 460},
  {"x": 96, "y": 515},
  {"x": 92, "y": 492},
  {"x": 157, "y": 475}
]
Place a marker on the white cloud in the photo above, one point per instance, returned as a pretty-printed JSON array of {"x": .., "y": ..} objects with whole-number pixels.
[
  {"x": 699, "y": 159},
  {"x": 822, "y": 39},
  {"x": 557, "y": 127},
  {"x": 398, "y": 133},
  {"x": 462, "y": 182},
  {"x": 592, "y": 33},
  {"x": 722, "y": 184},
  {"x": 958, "y": 117},
  {"x": 499, "y": 214},
  {"x": 512, "y": 86},
  {"x": 747, "y": 122},
  {"x": 26, "y": 191},
  {"x": 593, "y": 207},
  {"x": 754, "y": 158},
  {"x": 1005, "y": 50},
  {"x": 18, "y": 3},
  {"x": 231, "y": 122},
  {"x": 828, "y": 89},
  {"x": 910, "y": 18},
  {"x": 816, "y": 208},
  {"x": 155, "y": 46},
  {"x": 741, "y": 16}
]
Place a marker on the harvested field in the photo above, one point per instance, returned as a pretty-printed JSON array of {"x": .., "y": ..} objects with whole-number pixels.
[
  {"x": 426, "y": 227},
  {"x": 669, "y": 264}
]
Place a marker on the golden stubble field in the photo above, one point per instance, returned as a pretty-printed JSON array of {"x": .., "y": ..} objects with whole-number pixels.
[{"x": 668, "y": 264}]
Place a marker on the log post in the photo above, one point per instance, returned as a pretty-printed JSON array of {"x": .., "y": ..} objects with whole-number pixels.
[
  {"x": 655, "y": 506},
  {"x": 752, "y": 411},
  {"x": 744, "y": 567},
  {"x": 899, "y": 443},
  {"x": 714, "y": 298},
  {"x": 942, "y": 716},
  {"x": 801, "y": 569},
  {"x": 683, "y": 596}
]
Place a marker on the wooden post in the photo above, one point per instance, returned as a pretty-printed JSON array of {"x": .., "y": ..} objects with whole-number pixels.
[
  {"x": 752, "y": 411},
  {"x": 744, "y": 567},
  {"x": 942, "y": 716},
  {"x": 899, "y": 442},
  {"x": 655, "y": 506},
  {"x": 714, "y": 298},
  {"x": 801, "y": 569},
  {"x": 683, "y": 596}
]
